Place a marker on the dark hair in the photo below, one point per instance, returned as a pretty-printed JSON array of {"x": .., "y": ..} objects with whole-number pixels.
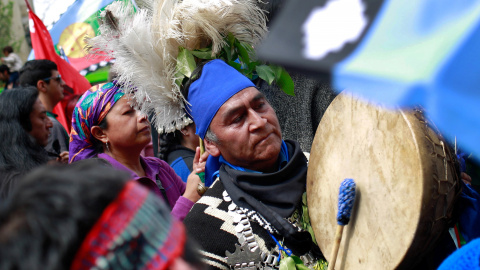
[
  {"x": 18, "y": 150},
  {"x": 50, "y": 212},
  {"x": 8, "y": 49},
  {"x": 45, "y": 221},
  {"x": 4, "y": 68},
  {"x": 196, "y": 74},
  {"x": 167, "y": 142},
  {"x": 36, "y": 70}
]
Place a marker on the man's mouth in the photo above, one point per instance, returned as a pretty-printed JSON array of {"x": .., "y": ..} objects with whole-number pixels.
[{"x": 263, "y": 139}]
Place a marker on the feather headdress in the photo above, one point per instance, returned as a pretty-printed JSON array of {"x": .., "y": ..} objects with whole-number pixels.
[{"x": 146, "y": 45}]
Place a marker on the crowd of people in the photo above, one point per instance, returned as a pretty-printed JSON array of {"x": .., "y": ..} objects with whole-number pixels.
[
  {"x": 259, "y": 183},
  {"x": 93, "y": 198}
]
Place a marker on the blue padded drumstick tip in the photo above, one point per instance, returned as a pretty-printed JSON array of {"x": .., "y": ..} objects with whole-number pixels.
[{"x": 346, "y": 198}]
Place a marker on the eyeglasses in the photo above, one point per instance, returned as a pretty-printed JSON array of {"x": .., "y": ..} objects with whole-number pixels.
[{"x": 57, "y": 78}]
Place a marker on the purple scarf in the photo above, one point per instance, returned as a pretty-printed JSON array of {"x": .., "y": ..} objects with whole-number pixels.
[{"x": 90, "y": 110}]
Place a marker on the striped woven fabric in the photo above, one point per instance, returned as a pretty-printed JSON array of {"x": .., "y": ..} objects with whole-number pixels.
[{"x": 134, "y": 232}]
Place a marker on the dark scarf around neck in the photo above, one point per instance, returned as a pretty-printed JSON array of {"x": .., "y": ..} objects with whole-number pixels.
[{"x": 274, "y": 195}]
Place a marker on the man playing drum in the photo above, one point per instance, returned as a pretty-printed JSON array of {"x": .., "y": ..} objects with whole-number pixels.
[{"x": 252, "y": 212}]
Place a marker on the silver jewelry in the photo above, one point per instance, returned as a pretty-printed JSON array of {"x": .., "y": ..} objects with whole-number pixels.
[
  {"x": 201, "y": 189},
  {"x": 106, "y": 144},
  {"x": 248, "y": 254}
]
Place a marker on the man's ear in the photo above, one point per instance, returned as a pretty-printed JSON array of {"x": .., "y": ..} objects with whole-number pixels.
[
  {"x": 42, "y": 86},
  {"x": 99, "y": 134},
  {"x": 211, "y": 148}
]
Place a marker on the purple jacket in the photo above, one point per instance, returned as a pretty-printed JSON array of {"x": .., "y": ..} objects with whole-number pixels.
[{"x": 173, "y": 185}]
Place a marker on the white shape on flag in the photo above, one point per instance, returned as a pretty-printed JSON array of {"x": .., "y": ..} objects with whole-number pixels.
[
  {"x": 330, "y": 27},
  {"x": 31, "y": 25}
]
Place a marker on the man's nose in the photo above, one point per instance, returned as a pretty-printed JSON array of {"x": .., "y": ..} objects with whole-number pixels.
[{"x": 256, "y": 120}]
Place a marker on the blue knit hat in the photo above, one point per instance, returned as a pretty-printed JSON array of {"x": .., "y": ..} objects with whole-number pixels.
[
  {"x": 466, "y": 258},
  {"x": 217, "y": 84}
]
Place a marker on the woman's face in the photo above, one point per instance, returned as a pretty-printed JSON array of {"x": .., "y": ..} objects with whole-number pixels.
[
  {"x": 41, "y": 124},
  {"x": 127, "y": 128}
]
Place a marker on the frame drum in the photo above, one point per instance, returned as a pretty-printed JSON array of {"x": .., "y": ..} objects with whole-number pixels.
[{"x": 406, "y": 178}]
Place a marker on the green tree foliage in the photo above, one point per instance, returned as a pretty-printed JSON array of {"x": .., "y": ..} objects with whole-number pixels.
[{"x": 6, "y": 34}]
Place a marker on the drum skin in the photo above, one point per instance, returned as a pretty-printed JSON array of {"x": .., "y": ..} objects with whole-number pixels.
[{"x": 406, "y": 180}]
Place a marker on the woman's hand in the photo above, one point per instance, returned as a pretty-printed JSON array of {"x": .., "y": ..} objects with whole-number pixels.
[
  {"x": 63, "y": 158},
  {"x": 193, "y": 179},
  {"x": 466, "y": 178}
]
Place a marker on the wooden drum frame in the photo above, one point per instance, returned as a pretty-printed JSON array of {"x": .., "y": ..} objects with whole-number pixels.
[{"x": 407, "y": 184}]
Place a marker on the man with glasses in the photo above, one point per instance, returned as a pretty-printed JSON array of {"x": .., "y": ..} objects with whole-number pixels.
[{"x": 44, "y": 75}]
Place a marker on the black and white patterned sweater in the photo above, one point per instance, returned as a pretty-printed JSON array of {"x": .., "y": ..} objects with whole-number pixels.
[{"x": 210, "y": 225}]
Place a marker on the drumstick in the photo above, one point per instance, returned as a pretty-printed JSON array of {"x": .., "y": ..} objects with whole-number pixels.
[{"x": 346, "y": 197}]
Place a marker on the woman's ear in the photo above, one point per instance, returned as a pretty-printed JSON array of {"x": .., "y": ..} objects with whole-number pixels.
[
  {"x": 189, "y": 130},
  {"x": 184, "y": 131},
  {"x": 211, "y": 148},
  {"x": 99, "y": 134}
]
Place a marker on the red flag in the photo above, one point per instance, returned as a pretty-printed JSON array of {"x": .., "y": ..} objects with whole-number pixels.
[{"x": 43, "y": 47}]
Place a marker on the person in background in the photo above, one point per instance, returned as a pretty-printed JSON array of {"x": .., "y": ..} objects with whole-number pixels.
[
  {"x": 89, "y": 216},
  {"x": 14, "y": 63},
  {"x": 6, "y": 77},
  {"x": 24, "y": 131},
  {"x": 178, "y": 149},
  {"x": 43, "y": 74},
  {"x": 105, "y": 125}
]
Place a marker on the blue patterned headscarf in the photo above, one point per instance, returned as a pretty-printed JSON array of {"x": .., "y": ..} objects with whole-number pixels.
[
  {"x": 217, "y": 84},
  {"x": 90, "y": 110}
]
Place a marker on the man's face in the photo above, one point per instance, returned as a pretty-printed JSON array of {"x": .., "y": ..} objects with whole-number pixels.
[
  {"x": 55, "y": 87},
  {"x": 41, "y": 124},
  {"x": 248, "y": 132}
]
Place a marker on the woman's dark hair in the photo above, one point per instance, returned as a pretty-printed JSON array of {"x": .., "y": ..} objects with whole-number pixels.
[
  {"x": 167, "y": 143},
  {"x": 18, "y": 150},
  {"x": 51, "y": 211}
]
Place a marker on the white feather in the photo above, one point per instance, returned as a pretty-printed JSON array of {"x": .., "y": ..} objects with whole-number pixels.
[{"x": 145, "y": 45}]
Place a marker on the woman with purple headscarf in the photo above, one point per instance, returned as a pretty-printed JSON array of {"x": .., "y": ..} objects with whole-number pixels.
[{"x": 105, "y": 125}]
